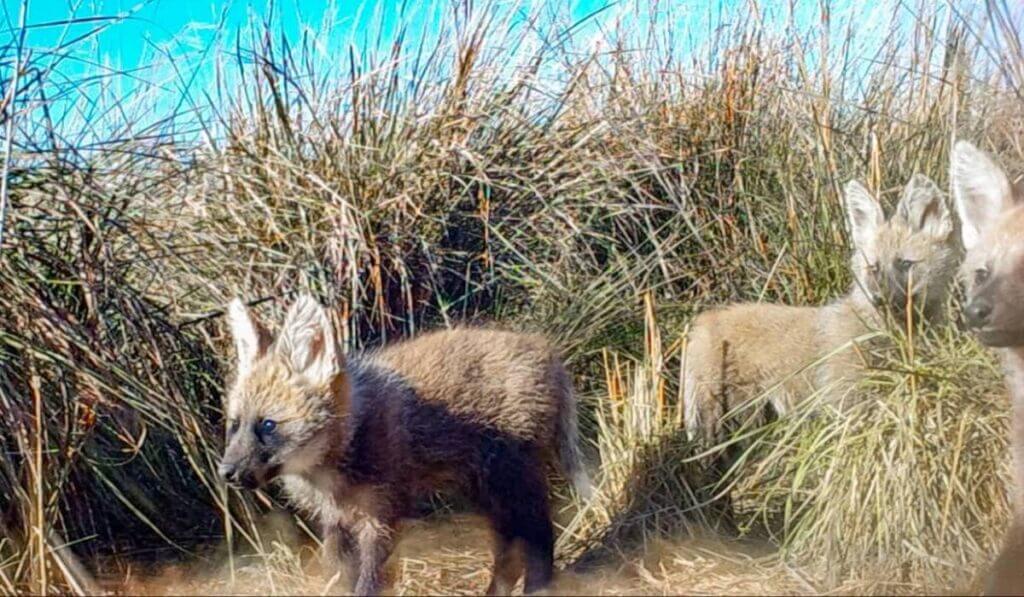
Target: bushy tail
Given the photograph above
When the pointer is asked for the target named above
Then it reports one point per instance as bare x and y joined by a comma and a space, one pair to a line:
567, 437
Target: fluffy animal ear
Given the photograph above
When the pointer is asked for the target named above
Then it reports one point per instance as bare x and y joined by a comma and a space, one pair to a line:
981, 189
307, 341
251, 338
923, 207
863, 214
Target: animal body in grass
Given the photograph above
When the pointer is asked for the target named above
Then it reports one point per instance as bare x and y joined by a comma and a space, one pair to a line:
787, 353
355, 441
992, 216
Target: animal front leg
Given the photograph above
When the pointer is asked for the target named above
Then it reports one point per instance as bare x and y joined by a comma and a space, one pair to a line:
339, 552
374, 541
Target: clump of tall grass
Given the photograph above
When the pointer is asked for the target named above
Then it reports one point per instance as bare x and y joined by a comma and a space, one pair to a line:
453, 198
645, 485
906, 491
107, 410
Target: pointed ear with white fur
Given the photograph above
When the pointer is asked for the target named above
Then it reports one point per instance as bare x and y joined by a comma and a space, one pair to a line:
863, 214
981, 189
251, 338
923, 207
307, 342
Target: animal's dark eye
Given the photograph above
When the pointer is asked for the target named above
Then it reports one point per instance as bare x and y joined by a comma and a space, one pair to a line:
267, 426
904, 265
980, 275
873, 268
233, 426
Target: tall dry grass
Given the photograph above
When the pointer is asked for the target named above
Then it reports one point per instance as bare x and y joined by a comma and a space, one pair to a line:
503, 168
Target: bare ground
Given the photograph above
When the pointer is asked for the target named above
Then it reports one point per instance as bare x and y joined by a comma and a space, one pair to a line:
451, 556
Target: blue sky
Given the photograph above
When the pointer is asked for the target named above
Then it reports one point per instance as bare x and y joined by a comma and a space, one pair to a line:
138, 30
169, 48
144, 25
142, 36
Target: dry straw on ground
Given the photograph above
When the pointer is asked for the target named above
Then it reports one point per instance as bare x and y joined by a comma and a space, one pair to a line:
505, 168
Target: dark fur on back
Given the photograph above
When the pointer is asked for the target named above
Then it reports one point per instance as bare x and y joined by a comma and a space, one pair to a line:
402, 447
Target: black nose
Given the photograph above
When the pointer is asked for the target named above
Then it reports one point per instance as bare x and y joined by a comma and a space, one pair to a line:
228, 472
238, 476
978, 313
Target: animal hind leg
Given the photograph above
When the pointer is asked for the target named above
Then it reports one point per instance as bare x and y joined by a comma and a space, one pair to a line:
539, 547
508, 566
515, 492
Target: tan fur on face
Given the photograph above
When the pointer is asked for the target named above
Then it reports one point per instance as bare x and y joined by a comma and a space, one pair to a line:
1000, 254
739, 352
935, 263
1002, 248
273, 391
301, 410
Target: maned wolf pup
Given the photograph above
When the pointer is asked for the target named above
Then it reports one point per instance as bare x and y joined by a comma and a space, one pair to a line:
738, 352
354, 441
992, 216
